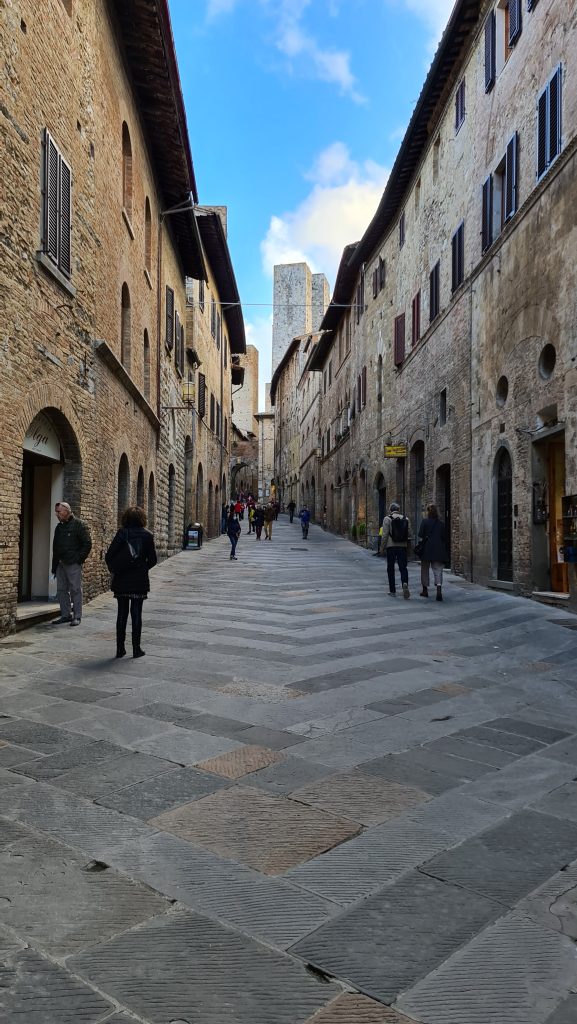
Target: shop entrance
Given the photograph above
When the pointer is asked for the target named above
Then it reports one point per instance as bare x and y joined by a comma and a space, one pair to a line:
550, 568
443, 497
50, 468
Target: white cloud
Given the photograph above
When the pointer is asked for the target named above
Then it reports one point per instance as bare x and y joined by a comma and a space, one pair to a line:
337, 210
304, 52
215, 8
435, 14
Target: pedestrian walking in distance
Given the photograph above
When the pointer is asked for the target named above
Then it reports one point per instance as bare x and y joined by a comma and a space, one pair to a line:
291, 510
70, 549
258, 521
233, 529
269, 517
129, 557
432, 550
305, 518
395, 542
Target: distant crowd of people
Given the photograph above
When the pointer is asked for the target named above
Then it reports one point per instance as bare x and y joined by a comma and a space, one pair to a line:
259, 515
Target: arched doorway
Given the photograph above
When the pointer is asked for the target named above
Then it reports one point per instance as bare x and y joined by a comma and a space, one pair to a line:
51, 472
199, 490
123, 489
417, 483
140, 488
380, 497
210, 511
443, 501
187, 482
504, 502
171, 505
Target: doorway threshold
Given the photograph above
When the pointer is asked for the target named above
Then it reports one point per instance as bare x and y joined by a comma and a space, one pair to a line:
551, 597
29, 613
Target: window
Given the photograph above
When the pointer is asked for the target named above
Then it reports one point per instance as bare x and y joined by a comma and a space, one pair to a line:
359, 392
363, 387
179, 346
434, 291
201, 395
490, 51
458, 257
57, 207
460, 104
348, 333
212, 412
402, 230
125, 328
416, 318
328, 440
330, 372
487, 214
146, 366
340, 344
499, 196
375, 279
531, 5
201, 296
418, 196
147, 236
126, 171
443, 407
382, 273
549, 123
399, 340
169, 339
213, 318
218, 423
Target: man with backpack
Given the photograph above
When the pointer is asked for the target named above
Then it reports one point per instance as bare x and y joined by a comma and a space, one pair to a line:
395, 543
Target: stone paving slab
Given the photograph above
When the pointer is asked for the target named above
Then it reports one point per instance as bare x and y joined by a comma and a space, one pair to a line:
155, 795
514, 972
335, 723
11, 832
562, 802
365, 799
449, 764
164, 712
106, 777
86, 752
218, 725
469, 751
186, 967
521, 783
397, 936
285, 776
11, 755
241, 761
509, 860
565, 751
554, 904
35, 991
9, 778
119, 727
502, 740
566, 1012
519, 726
274, 739
404, 769
268, 833
184, 746
355, 1009
42, 738
52, 901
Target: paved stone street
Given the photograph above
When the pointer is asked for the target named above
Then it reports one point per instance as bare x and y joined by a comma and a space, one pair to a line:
311, 803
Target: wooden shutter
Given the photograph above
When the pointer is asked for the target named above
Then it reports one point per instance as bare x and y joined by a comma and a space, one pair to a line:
434, 292
399, 347
375, 283
364, 387
382, 273
511, 177
51, 159
514, 21
487, 215
176, 336
201, 395
416, 318
458, 257
531, 5
554, 139
169, 340
65, 237
542, 161
490, 51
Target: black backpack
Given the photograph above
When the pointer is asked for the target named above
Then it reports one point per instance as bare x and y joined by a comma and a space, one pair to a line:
399, 529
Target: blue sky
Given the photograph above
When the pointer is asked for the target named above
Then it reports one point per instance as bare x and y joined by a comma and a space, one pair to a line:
296, 110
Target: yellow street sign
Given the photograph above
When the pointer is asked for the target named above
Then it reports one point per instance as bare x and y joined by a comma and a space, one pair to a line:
395, 451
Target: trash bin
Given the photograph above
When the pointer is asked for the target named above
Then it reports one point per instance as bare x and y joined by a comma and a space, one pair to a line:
193, 537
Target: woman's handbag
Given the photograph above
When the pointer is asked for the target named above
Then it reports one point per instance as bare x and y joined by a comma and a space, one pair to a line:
127, 556
419, 548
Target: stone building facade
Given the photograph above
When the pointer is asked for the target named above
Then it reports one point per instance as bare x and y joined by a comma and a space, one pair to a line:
215, 333
267, 485
285, 399
245, 404
98, 236
300, 299
458, 343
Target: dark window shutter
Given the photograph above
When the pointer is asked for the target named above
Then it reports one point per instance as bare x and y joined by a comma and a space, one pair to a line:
169, 318
434, 291
364, 387
399, 352
416, 319
359, 392
511, 164
382, 273
201, 395
65, 259
490, 51
514, 21
555, 116
458, 258
176, 337
51, 189
542, 133
375, 283
531, 5
487, 216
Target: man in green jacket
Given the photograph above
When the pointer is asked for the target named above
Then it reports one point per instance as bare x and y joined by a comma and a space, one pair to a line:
70, 549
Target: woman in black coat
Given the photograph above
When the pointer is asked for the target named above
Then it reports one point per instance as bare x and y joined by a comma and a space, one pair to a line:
129, 557
433, 551
233, 529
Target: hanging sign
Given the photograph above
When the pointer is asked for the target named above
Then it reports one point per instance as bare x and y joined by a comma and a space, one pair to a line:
395, 451
42, 439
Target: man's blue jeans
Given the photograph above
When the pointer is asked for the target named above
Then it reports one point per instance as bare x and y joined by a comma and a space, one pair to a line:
233, 538
396, 555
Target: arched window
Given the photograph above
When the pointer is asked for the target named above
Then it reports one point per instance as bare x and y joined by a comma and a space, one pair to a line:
147, 236
125, 328
126, 171
146, 366
171, 504
123, 485
151, 502
140, 488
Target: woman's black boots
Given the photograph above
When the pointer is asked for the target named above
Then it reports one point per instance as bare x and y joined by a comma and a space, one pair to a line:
120, 638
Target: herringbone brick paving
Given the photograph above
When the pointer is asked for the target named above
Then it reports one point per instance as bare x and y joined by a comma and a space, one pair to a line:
302, 773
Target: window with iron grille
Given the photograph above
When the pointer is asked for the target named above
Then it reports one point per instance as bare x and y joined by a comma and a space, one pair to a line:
169, 338
434, 291
458, 257
201, 395
57, 207
549, 135
460, 104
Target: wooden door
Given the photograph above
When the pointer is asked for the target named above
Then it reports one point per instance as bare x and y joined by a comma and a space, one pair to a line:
556, 465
